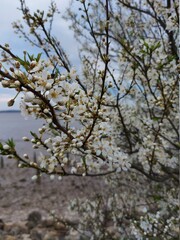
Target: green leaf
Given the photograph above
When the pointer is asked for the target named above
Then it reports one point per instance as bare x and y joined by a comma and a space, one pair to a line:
1, 146
54, 131
23, 63
156, 118
154, 47
34, 134
31, 57
146, 45
38, 57
157, 197
11, 143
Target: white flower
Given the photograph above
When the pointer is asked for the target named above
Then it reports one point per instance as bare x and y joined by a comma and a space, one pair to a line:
54, 95
79, 144
52, 164
42, 160
72, 74
73, 170
65, 160
43, 83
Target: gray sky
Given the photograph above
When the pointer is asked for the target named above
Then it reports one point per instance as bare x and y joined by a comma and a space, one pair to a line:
9, 13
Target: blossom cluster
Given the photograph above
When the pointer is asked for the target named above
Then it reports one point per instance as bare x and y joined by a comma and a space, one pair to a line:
76, 122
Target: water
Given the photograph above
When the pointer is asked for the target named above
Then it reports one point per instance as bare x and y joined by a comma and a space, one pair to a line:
13, 125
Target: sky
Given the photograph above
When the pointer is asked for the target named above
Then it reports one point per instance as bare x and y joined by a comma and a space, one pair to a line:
9, 13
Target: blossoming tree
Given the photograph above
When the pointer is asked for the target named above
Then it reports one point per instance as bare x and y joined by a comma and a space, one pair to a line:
118, 117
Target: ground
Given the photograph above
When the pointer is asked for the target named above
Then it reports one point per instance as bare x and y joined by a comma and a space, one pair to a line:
20, 195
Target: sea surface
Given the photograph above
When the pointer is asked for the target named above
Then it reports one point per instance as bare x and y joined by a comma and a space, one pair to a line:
13, 125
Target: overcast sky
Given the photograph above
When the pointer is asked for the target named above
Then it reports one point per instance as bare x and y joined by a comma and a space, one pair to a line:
8, 14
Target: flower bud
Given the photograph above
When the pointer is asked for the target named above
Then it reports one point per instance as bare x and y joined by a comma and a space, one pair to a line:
62, 78
10, 103
46, 110
5, 83
48, 86
11, 69
52, 177
60, 178
33, 64
79, 144
25, 139
49, 120
28, 96
18, 73
6, 147
17, 64
34, 177
17, 83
